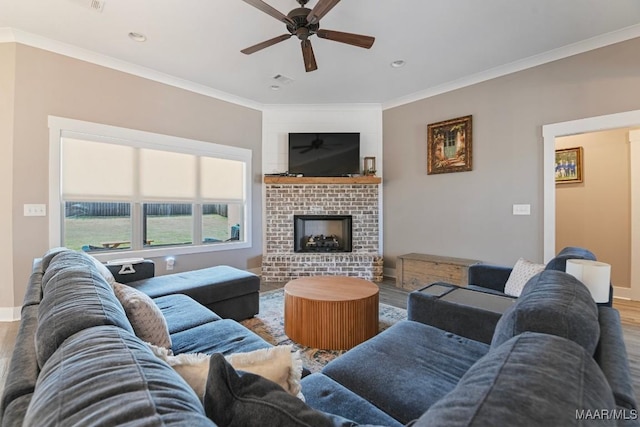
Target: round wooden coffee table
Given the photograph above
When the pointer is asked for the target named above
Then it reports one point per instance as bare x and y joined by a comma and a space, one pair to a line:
330, 312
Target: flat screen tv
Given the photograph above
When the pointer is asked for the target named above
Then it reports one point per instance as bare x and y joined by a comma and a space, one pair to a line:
324, 154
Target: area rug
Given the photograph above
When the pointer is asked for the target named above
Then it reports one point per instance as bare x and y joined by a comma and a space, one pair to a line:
269, 324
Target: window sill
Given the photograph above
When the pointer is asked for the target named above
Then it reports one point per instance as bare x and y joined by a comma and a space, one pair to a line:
169, 251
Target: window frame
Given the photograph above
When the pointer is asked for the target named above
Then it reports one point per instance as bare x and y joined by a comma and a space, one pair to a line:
60, 127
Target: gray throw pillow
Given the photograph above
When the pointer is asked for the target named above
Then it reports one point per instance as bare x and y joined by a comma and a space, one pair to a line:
237, 398
552, 302
531, 380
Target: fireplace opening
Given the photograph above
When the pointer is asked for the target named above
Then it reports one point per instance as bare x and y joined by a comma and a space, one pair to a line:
322, 233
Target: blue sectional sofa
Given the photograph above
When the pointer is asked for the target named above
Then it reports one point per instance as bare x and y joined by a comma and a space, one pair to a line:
555, 358
78, 362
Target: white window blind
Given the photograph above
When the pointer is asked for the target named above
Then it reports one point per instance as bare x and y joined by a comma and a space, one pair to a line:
222, 179
167, 175
95, 171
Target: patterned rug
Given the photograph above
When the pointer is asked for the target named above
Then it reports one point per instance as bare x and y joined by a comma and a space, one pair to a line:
269, 324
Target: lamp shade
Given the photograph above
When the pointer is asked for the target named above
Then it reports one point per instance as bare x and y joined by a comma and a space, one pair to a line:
594, 274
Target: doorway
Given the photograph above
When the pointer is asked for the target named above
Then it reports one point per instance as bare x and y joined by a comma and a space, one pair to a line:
550, 132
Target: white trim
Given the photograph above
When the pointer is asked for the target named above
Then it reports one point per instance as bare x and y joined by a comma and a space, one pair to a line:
18, 36
60, 126
10, 314
550, 132
603, 40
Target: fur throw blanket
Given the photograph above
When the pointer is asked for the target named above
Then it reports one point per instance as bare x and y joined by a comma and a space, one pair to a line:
278, 364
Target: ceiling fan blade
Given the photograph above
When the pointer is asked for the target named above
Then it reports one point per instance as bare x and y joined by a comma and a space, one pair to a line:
307, 150
307, 55
348, 38
251, 49
259, 4
321, 8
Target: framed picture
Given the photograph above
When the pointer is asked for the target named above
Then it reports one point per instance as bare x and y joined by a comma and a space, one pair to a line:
569, 165
449, 146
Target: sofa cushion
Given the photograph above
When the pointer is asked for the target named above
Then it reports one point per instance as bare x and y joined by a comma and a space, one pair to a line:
229, 282
75, 297
241, 399
532, 379
222, 336
106, 376
554, 303
146, 318
522, 271
406, 368
182, 312
322, 393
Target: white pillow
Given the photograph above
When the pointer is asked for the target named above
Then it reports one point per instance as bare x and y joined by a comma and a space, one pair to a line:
278, 364
520, 275
146, 318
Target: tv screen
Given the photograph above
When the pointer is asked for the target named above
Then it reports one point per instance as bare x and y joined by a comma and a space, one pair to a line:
324, 154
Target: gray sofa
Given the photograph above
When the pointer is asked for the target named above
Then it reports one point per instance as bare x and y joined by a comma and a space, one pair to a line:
78, 362
554, 358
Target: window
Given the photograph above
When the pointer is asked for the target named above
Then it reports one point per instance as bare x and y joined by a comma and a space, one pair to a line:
115, 190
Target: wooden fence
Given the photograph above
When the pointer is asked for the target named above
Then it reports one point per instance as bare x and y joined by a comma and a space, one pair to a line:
75, 209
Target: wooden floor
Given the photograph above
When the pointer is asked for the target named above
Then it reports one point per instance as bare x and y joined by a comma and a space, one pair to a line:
389, 294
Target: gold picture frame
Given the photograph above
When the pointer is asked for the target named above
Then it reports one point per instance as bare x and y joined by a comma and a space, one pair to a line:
568, 167
449, 146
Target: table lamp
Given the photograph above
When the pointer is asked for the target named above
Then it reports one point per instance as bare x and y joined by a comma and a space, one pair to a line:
594, 274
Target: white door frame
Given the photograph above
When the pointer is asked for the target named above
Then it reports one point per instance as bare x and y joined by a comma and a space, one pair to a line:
592, 124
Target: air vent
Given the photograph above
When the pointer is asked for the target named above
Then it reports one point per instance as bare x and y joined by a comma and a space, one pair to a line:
96, 5
283, 80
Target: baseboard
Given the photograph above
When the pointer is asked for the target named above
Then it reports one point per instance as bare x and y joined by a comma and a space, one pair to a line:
389, 272
622, 293
10, 314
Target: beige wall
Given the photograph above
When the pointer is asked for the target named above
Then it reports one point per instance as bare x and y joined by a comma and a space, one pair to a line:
596, 213
51, 84
469, 214
7, 81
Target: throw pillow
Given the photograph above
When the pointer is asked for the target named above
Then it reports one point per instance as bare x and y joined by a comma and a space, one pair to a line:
146, 318
520, 275
241, 398
277, 364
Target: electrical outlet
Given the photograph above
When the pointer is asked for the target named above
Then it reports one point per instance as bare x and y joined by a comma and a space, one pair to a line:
35, 210
170, 263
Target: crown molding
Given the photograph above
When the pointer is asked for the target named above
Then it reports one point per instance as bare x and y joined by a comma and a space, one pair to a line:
624, 34
323, 107
8, 35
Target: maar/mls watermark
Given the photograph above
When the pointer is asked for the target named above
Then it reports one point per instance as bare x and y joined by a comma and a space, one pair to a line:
606, 414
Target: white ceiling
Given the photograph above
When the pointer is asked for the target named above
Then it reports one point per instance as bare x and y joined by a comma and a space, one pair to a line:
446, 43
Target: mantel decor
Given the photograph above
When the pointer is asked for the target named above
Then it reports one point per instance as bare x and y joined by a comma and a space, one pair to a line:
449, 146
569, 165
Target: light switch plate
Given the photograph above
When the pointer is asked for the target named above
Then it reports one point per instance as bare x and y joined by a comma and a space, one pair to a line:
35, 210
522, 209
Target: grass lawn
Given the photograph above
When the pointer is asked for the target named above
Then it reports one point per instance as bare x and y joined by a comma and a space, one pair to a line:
163, 230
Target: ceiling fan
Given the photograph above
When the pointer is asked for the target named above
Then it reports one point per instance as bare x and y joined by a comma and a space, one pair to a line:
303, 22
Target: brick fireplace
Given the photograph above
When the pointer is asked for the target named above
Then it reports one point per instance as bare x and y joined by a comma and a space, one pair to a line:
288, 197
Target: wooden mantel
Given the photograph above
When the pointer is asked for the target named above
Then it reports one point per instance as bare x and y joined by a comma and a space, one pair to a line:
270, 179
